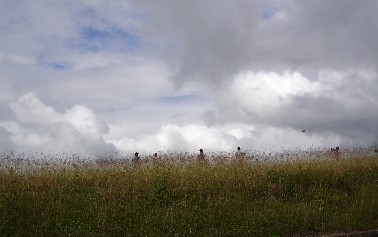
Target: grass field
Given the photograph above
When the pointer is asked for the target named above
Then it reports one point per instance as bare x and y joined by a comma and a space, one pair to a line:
291, 193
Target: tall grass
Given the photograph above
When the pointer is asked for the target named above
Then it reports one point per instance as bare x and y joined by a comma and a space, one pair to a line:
292, 193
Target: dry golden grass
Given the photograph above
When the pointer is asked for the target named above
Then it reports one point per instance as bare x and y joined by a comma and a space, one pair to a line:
264, 194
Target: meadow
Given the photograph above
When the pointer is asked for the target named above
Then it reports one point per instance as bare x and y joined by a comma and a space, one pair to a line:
287, 193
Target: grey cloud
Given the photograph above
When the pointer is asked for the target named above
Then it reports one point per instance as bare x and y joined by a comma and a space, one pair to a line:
6, 143
197, 44
213, 38
217, 40
210, 117
348, 107
330, 34
344, 104
321, 115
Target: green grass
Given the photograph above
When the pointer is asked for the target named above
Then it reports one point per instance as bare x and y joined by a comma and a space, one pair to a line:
179, 197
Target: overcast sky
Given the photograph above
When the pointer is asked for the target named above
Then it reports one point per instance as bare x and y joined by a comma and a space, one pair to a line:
91, 76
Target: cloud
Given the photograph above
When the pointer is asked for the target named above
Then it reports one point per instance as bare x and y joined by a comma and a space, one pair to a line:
338, 103
263, 94
168, 74
211, 44
172, 137
6, 143
77, 130
267, 110
226, 137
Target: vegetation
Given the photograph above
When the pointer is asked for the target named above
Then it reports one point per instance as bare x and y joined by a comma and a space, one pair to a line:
298, 193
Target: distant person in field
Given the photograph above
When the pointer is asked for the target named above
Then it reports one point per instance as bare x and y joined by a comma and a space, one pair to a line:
155, 158
336, 152
239, 154
201, 157
136, 159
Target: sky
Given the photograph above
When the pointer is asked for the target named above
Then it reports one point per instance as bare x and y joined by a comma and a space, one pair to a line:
94, 77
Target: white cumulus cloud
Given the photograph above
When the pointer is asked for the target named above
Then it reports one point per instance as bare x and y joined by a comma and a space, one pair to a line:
77, 130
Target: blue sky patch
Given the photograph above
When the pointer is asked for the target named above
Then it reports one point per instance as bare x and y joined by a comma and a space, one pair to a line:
95, 39
180, 98
269, 13
49, 63
102, 33
58, 65
94, 34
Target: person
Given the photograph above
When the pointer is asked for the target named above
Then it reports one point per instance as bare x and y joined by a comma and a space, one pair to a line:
201, 156
239, 154
336, 152
155, 158
136, 159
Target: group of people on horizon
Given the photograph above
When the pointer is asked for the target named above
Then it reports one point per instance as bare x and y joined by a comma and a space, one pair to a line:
137, 160
239, 155
200, 157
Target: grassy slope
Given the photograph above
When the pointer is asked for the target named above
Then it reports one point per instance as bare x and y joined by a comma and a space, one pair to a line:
233, 199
